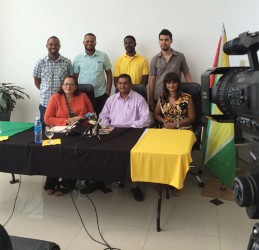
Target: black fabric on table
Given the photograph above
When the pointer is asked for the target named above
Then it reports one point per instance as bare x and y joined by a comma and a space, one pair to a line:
77, 157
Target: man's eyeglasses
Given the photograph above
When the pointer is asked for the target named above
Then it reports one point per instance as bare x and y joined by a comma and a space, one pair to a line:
68, 84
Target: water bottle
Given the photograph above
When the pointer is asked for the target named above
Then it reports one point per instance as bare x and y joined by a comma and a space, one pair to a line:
37, 131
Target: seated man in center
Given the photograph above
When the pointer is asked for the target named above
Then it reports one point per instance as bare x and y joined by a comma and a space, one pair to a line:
126, 109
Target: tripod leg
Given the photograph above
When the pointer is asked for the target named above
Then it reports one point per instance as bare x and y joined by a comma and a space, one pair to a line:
158, 228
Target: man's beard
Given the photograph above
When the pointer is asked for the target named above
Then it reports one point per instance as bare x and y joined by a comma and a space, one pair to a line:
90, 49
166, 48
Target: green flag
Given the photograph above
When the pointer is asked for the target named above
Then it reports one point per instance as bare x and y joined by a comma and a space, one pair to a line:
219, 154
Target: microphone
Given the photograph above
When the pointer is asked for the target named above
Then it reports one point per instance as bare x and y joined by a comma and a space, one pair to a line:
91, 123
73, 124
69, 129
93, 127
88, 116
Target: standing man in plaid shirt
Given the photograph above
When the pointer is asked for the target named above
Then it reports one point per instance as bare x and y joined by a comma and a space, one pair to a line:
49, 73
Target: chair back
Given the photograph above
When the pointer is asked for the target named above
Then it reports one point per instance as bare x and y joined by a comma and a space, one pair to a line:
141, 89
194, 89
88, 89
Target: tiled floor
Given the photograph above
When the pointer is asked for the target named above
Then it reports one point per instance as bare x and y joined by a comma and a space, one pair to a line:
188, 221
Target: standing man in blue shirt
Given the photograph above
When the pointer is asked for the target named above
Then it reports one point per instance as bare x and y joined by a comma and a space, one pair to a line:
49, 73
91, 67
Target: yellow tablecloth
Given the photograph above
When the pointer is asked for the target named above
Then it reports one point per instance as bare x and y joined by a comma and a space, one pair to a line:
162, 156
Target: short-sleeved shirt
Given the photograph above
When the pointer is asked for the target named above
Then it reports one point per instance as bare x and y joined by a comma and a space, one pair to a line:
159, 68
136, 67
52, 75
91, 70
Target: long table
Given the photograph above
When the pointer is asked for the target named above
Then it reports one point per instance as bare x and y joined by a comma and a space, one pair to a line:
76, 157
163, 156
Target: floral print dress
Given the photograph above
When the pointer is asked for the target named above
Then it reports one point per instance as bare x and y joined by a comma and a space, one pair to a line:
177, 112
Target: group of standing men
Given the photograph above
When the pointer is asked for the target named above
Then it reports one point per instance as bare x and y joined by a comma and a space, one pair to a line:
94, 67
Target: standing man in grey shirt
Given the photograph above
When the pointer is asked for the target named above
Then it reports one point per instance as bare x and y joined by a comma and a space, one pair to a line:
168, 60
49, 73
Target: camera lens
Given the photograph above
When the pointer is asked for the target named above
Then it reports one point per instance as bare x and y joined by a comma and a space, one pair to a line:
255, 246
234, 47
243, 192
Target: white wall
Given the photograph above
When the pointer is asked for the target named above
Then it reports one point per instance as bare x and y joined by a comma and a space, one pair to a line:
196, 25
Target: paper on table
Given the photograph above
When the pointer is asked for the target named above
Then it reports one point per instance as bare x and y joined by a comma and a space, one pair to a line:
104, 130
4, 138
63, 129
53, 142
60, 129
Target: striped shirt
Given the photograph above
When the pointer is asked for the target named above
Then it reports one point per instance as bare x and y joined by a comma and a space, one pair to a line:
51, 75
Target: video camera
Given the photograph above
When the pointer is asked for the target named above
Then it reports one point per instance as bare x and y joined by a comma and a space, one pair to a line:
237, 90
237, 97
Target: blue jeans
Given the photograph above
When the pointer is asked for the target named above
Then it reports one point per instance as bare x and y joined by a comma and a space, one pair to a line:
42, 113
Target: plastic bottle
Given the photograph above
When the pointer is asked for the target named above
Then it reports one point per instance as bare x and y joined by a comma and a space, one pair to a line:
37, 131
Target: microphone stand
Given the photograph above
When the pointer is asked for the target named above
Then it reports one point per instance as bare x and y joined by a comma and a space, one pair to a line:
89, 128
96, 130
93, 128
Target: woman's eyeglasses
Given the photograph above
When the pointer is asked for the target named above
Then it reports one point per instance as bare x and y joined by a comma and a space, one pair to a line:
68, 84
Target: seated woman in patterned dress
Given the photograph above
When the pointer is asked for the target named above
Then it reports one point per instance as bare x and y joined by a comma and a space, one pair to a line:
174, 109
